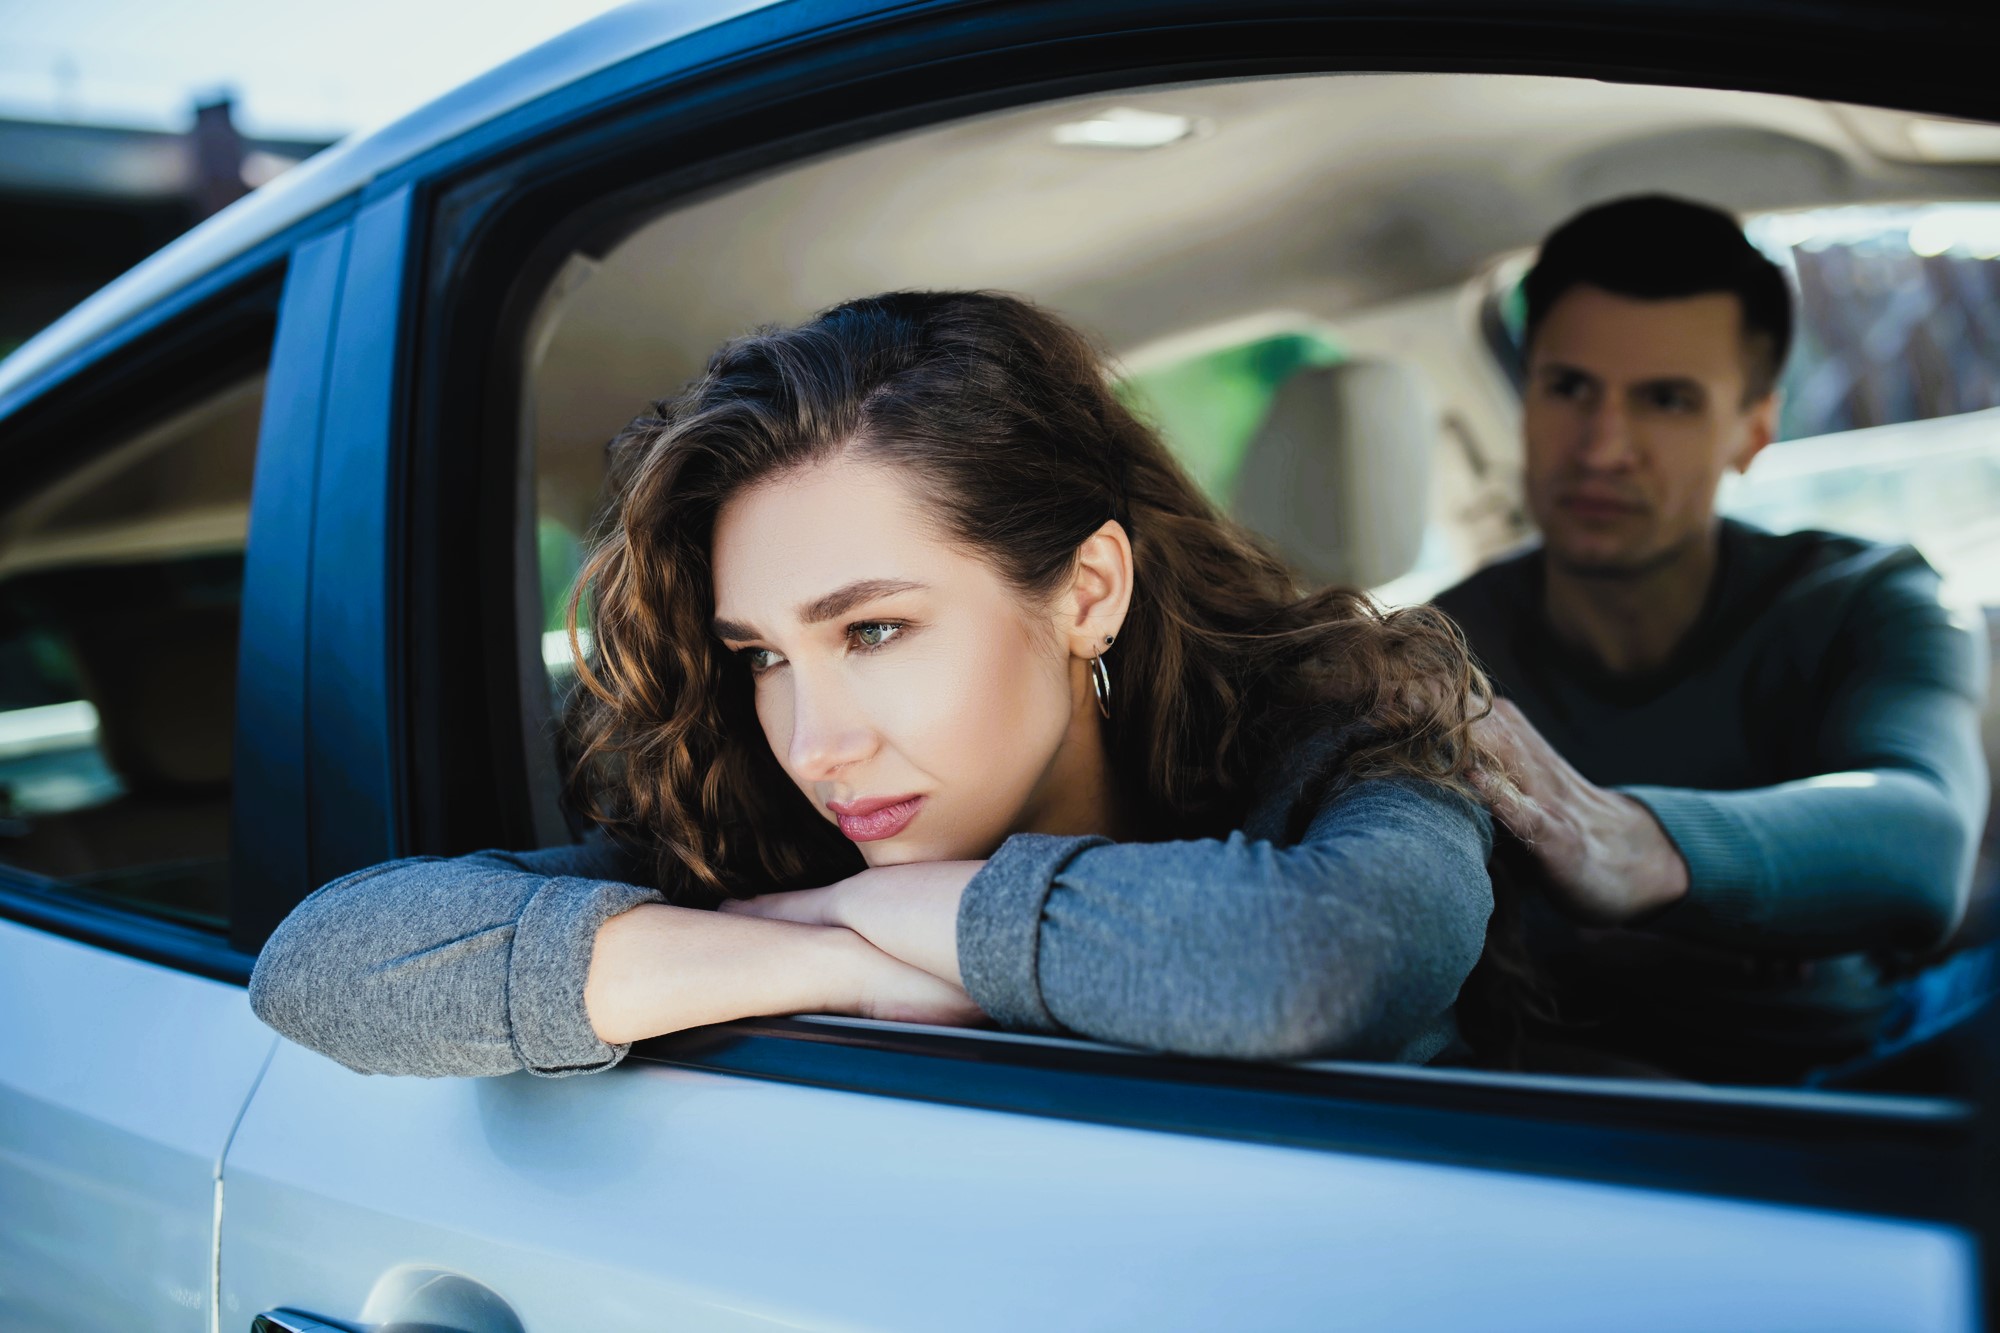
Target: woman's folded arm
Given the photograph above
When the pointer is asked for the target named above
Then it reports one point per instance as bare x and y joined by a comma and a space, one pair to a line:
1353, 941
549, 962
469, 965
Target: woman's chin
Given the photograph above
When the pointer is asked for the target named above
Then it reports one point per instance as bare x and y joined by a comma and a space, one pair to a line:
890, 852
905, 851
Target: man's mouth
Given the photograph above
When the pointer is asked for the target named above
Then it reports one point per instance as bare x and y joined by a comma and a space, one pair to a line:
873, 818
1600, 507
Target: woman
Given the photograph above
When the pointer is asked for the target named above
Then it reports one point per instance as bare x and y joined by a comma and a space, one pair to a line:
916, 654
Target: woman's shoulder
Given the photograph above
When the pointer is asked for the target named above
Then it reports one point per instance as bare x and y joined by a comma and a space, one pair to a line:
1307, 776
596, 856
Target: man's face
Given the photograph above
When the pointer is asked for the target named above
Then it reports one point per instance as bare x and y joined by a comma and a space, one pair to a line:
1633, 411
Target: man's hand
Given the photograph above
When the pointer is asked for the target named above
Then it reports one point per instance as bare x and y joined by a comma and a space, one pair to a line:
909, 912
1607, 859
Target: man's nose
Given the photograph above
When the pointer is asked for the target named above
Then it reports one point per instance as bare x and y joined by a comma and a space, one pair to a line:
1607, 437
830, 731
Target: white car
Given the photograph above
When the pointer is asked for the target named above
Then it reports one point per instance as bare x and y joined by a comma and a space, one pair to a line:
286, 509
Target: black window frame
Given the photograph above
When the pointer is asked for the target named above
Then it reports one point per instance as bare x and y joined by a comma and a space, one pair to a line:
501, 208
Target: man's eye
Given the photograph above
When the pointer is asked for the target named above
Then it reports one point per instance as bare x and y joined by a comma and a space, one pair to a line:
1567, 387
1672, 398
872, 634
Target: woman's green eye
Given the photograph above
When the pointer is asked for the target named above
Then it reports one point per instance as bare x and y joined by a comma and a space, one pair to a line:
875, 633
760, 659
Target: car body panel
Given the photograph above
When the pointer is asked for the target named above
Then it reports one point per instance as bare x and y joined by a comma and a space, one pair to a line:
120, 1082
653, 1197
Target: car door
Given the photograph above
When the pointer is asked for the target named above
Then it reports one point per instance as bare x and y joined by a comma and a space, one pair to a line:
822, 1172
130, 840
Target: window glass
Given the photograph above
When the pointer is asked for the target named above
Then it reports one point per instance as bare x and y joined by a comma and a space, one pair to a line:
120, 585
1899, 313
1891, 413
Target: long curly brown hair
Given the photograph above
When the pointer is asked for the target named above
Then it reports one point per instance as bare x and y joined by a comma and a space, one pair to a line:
1001, 416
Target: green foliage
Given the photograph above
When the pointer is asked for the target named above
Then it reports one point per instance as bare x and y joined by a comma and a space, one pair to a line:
559, 554
1208, 407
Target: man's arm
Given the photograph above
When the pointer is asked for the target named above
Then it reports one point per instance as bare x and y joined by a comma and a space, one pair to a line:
1874, 852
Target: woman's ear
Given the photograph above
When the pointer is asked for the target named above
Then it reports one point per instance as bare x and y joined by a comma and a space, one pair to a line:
1100, 591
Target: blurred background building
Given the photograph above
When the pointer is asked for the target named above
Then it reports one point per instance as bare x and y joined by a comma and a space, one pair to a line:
124, 123
80, 204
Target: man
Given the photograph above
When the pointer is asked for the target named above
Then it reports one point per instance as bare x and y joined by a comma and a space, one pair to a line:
1746, 767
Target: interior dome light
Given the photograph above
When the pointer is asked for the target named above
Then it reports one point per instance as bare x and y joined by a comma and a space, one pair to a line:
1127, 127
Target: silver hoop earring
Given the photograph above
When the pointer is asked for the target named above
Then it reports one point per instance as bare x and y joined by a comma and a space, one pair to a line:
1100, 680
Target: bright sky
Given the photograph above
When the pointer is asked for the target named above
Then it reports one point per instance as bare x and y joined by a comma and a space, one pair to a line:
297, 70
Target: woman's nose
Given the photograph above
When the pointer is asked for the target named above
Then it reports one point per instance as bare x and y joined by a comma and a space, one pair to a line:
829, 731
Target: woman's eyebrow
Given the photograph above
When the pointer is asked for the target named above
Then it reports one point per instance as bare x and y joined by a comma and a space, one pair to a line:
822, 609
844, 599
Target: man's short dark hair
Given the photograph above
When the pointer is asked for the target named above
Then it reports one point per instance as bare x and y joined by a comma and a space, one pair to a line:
1654, 247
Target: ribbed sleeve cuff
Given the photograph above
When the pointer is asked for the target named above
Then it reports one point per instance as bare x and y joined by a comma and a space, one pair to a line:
547, 967
1000, 924
1725, 864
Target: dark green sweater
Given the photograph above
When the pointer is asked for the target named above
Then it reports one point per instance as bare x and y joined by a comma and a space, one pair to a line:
1812, 749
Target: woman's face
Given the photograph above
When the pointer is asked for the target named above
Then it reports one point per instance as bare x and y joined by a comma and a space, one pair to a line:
916, 699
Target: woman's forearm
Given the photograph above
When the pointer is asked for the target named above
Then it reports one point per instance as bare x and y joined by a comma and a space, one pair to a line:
909, 912
497, 962
659, 969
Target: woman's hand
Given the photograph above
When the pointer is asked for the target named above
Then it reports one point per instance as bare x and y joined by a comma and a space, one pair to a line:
909, 912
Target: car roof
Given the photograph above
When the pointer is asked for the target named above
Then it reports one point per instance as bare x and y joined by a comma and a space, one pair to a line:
351, 164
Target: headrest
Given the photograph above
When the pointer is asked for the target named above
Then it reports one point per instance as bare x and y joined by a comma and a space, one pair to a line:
1338, 477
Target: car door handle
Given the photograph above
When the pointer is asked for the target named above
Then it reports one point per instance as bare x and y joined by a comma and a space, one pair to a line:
291, 1321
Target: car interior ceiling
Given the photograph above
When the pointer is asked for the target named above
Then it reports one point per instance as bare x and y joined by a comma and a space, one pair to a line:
1336, 199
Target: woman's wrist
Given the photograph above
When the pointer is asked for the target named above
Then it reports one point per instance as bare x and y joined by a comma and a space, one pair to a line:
869, 983
842, 968
659, 969
909, 912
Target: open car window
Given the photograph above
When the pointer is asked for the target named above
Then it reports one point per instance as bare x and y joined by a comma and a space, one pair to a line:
1265, 265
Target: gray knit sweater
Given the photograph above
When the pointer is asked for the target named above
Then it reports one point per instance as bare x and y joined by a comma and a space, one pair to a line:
1815, 654
1341, 930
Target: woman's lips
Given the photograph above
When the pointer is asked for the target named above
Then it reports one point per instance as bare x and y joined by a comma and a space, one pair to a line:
874, 820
